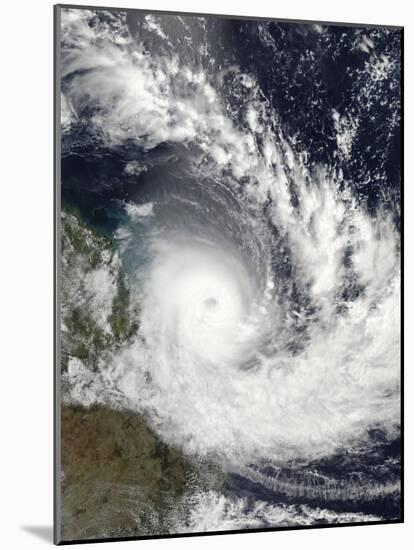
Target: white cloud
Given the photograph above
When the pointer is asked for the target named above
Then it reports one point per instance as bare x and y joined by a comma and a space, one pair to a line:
303, 405
135, 212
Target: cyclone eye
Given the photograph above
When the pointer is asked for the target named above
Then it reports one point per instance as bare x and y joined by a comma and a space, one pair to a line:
211, 303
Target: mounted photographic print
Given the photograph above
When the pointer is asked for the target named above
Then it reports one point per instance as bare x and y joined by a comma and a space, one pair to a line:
228, 269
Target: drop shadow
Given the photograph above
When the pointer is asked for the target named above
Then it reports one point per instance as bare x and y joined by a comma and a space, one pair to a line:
43, 532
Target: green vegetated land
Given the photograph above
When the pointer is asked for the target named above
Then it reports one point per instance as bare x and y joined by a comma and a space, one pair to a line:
118, 478
84, 253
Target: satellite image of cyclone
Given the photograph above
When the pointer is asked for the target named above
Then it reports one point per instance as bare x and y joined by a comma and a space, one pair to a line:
229, 274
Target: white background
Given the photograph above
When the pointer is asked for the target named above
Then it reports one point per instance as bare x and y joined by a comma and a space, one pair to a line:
26, 190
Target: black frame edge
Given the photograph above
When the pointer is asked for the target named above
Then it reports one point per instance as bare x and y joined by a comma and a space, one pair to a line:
231, 16
56, 285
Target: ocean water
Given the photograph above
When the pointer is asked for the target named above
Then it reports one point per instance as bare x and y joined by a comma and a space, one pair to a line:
247, 175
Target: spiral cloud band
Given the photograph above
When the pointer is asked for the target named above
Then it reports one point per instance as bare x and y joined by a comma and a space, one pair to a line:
264, 285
